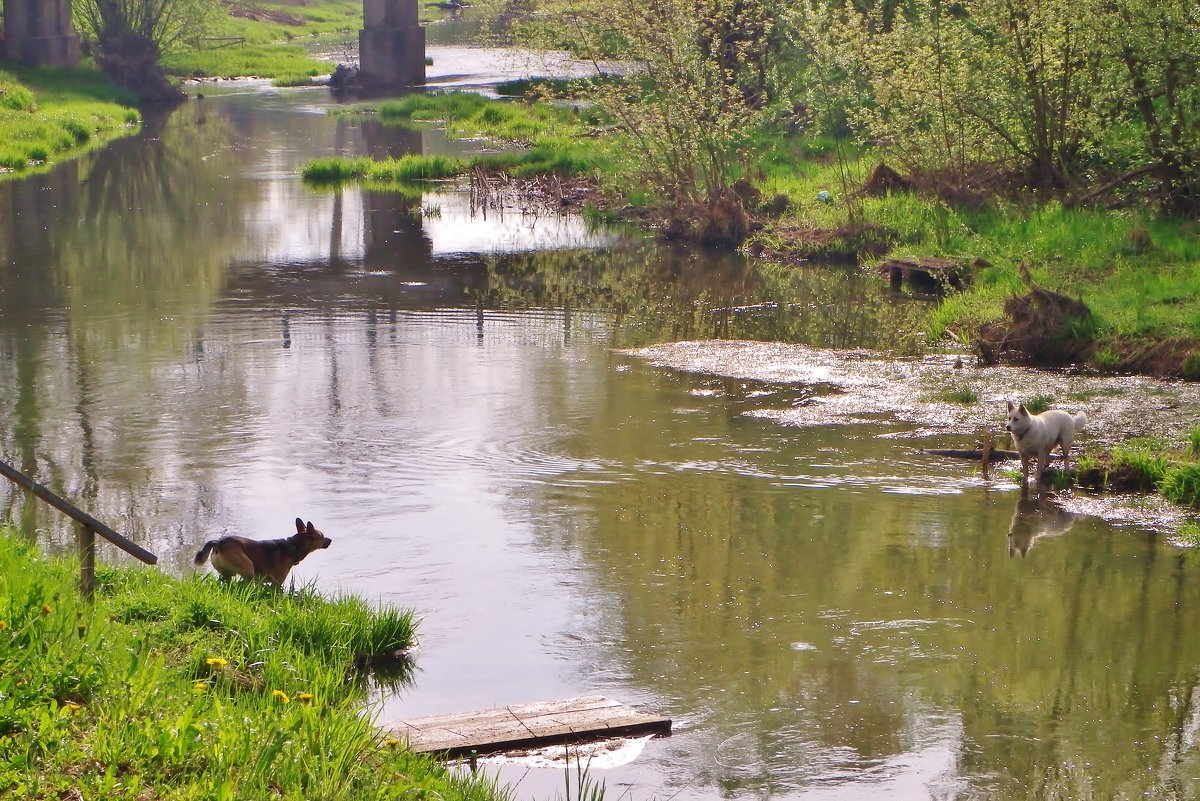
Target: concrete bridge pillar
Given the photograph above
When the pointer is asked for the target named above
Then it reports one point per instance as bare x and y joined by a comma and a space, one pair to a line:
39, 33
391, 46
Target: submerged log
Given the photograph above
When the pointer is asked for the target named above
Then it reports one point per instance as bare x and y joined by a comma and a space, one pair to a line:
994, 455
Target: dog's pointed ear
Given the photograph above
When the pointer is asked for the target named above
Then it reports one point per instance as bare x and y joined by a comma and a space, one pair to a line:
300, 526
1022, 409
311, 528
1010, 407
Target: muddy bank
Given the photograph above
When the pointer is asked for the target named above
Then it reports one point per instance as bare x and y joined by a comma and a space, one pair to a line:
1046, 329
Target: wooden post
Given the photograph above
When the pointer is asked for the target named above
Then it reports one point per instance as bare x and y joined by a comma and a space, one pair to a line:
987, 452
87, 560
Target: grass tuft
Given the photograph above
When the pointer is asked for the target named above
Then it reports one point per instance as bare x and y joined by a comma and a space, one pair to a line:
1143, 462
1181, 484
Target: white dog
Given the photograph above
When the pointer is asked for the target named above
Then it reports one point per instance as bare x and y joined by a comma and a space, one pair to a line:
1038, 434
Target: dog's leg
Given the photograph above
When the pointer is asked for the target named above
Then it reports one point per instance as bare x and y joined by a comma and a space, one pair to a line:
233, 561
1043, 462
278, 577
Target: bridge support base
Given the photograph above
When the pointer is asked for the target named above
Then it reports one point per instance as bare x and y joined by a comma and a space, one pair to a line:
391, 46
39, 33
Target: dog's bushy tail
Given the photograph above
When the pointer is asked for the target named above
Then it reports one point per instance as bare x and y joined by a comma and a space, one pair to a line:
1080, 420
202, 554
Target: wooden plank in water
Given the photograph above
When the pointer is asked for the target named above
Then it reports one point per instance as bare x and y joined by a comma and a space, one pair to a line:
504, 728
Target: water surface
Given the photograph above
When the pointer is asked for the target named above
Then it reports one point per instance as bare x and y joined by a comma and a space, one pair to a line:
485, 412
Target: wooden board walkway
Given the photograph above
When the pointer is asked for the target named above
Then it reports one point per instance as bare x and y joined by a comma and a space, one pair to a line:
531, 725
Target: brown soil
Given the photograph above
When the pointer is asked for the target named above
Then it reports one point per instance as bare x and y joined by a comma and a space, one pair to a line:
1046, 329
884, 179
1040, 327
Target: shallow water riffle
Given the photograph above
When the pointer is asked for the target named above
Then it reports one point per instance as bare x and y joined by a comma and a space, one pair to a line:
800, 386
846, 386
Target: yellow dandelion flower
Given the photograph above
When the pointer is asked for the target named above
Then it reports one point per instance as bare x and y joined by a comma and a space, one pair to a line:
391, 742
281, 695
71, 707
216, 661
304, 698
199, 687
46, 609
3, 625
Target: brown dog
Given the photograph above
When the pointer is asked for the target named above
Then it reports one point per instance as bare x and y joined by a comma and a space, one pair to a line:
270, 560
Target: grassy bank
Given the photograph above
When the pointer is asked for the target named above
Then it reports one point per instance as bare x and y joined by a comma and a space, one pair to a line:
814, 197
49, 114
276, 40
265, 40
1147, 465
1133, 268
192, 689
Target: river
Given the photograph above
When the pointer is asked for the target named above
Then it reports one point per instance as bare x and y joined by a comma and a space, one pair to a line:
591, 464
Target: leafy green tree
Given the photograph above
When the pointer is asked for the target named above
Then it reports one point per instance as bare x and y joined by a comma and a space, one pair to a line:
982, 88
1155, 45
702, 80
128, 36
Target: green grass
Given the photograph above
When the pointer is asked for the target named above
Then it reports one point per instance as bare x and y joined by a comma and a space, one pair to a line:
1181, 484
1189, 533
273, 46
1039, 403
187, 689
406, 168
269, 47
470, 115
1134, 269
51, 113
563, 88
248, 61
1143, 461
958, 395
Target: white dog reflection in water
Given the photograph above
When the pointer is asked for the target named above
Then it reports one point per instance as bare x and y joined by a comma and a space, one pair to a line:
1036, 517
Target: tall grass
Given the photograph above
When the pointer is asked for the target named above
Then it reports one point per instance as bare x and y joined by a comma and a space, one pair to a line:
406, 168
167, 688
1144, 462
1181, 484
